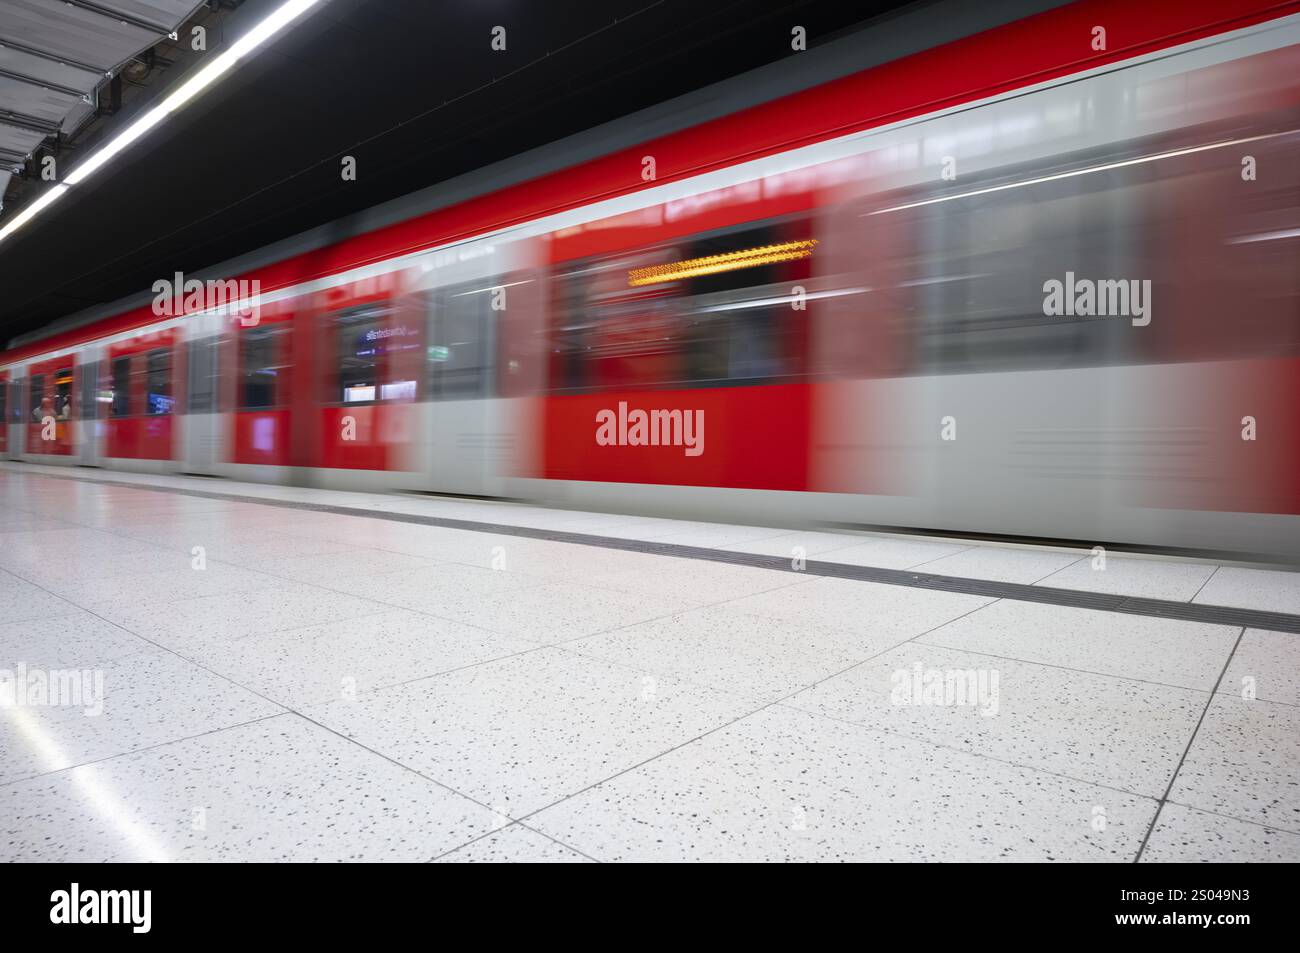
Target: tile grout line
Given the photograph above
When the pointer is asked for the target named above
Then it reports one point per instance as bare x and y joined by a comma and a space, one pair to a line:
1055, 571
1160, 805
135, 751
1204, 584
1065, 668
1233, 817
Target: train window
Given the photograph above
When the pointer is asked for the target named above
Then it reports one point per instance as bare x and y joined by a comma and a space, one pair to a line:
120, 396
16, 401
976, 288
1225, 257
158, 382
260, 366
63, 393
4, 406
377, 355
712, 310
39, 404
459, 343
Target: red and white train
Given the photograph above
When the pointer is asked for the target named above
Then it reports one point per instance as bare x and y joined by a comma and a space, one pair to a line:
835, 306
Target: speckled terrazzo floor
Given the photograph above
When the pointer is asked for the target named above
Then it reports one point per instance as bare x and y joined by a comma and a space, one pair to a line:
331, 687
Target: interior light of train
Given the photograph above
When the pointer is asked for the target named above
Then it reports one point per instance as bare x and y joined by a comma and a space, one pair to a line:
259, 34
713, 264
1106, 167
783, 299
479, 291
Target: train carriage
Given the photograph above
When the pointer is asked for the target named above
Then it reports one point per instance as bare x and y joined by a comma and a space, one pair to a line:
842, 299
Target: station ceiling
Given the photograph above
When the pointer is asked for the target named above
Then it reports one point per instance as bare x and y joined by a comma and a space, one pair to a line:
411, 88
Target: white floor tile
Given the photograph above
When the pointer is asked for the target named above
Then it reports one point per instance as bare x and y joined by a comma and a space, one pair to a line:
75, 640
997, 564
1245, 763
237, 615
169, 585
1185, 835
690, 582
812, 545
866, 607
515, 844
148, 698
316, 664
349, 564
521, 733
751, 655
884, 553
1266, 666
428, 590
1130, 576
785, 785
1169, 651
1264, 589
1100, 729
281, 789
554, 612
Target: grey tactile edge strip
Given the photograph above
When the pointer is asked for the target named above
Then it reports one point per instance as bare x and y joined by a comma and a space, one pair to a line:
1129, 605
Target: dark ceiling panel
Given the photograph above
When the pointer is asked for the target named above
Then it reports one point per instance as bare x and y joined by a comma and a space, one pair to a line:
412, 89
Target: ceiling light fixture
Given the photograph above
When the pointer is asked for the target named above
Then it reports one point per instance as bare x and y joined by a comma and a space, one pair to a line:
259, 34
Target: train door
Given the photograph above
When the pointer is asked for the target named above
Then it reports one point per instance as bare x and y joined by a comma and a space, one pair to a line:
466, 427
141, 400
50, 409
4, 414
481, 306
201, 434
259, 392
86, 386
369, 351
11, 422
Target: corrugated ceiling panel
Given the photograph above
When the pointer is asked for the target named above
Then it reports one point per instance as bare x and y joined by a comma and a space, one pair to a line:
167, 14
16, 141
71, 33
41, 70
38, 102
40, 39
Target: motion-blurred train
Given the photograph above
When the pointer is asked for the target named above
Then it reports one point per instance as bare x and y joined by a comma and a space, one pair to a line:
1040, 281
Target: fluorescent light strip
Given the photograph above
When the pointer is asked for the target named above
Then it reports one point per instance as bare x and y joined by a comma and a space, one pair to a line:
1077, 172
26, 215
1267, 237
783, 299
259, 34
713, 264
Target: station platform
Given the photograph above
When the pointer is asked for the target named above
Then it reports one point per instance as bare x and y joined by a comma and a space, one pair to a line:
247, 672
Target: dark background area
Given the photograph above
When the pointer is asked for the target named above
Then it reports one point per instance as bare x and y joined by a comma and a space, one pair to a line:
411, 88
